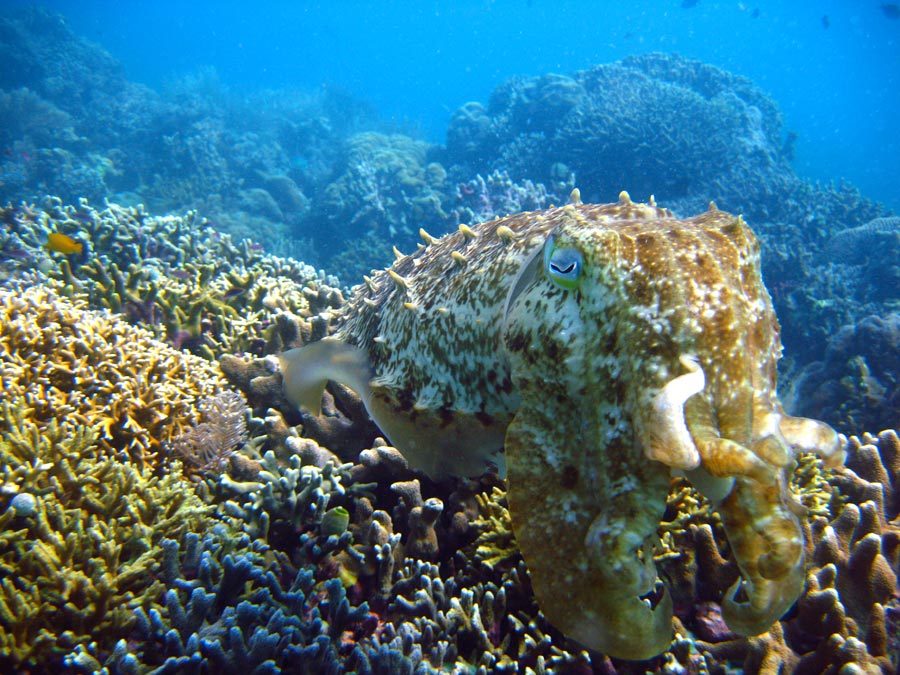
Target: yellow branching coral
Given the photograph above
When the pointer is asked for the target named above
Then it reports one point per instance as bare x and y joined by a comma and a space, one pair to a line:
90, 368
80, 556
495, 543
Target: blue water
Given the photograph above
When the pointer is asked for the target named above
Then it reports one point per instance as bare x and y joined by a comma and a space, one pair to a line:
417, 61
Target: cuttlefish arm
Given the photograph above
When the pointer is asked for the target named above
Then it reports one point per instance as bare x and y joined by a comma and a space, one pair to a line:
597, 583
749, 486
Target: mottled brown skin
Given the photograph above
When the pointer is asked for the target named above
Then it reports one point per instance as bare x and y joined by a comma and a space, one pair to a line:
660, 356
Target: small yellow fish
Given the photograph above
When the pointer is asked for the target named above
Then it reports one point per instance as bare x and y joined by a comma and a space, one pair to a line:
63, 243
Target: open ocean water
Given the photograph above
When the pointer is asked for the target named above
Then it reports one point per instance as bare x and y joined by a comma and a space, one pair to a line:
832, 66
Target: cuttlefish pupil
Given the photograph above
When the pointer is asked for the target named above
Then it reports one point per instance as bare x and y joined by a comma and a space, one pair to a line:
662, 361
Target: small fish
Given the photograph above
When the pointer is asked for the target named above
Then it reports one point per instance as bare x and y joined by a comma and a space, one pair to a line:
181, 274
687, 4
891, 10
755, 13
826, 22
63, 243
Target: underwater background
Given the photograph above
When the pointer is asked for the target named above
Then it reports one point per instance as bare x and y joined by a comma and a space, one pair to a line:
189, 189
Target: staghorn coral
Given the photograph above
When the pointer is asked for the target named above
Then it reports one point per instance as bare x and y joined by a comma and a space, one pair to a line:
94, 369
174, 275
495, 543
294, 496
483, 339
75, 566
226, 610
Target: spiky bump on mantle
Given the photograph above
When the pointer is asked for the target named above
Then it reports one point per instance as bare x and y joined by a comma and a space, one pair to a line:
656, 352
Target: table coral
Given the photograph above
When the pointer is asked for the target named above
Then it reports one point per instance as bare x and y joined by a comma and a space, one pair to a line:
94, 369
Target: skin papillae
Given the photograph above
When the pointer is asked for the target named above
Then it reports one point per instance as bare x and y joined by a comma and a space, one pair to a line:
601, 348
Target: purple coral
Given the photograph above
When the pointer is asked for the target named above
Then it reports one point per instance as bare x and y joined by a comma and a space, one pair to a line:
209, 445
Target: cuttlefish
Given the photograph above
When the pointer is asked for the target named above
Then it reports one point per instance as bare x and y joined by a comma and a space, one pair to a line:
594, 350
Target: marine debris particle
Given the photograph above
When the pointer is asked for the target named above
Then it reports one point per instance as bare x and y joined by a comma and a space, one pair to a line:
602, 346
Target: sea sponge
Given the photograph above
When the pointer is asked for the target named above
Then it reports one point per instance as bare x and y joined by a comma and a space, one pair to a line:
94, 369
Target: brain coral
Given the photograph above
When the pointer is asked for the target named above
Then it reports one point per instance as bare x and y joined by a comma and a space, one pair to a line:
94, 369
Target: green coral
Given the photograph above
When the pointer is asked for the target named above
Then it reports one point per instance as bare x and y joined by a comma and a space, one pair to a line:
75, 568
184, 282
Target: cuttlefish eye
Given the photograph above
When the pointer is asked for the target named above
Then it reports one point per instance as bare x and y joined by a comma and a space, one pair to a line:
563, 265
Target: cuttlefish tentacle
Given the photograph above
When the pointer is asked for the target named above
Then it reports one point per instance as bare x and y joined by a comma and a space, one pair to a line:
807, 435
758, 512
763, 531
767, 542
667, 438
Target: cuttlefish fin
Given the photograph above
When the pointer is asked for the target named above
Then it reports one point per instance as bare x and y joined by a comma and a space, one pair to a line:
528, 273
464, 445
306, 370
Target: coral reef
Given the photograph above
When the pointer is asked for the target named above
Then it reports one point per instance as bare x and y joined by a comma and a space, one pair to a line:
482, 199
857, 384
149, 522
652, 124
385, 191
173, 275
78, 128
211, 444
80, 559
68, 362
346, 558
